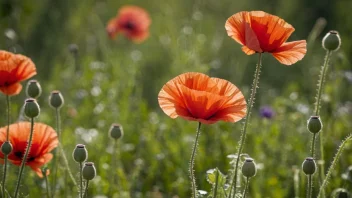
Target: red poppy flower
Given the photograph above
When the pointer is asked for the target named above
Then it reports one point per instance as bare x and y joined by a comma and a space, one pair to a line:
44, 140
132, 21
260, 32
14, 68
196, 96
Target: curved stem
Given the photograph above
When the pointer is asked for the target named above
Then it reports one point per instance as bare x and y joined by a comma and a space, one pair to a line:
81, 180
317, 110
332, 167
309, 190
24, 160
191, 164
245, 188
56, 156
62, 153
244, 129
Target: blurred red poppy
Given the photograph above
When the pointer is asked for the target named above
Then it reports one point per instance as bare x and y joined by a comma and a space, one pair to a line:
44, 140
14, 68
196, 96
132, 21
261, 32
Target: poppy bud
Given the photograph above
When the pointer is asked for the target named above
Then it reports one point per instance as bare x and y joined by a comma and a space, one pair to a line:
89, 171
249, 168
56, 100
6, 148
31, 108
45, 171
80, 153
116, 131
33, 90
332, 41
73, 48
309, 166
340, 193
314, 124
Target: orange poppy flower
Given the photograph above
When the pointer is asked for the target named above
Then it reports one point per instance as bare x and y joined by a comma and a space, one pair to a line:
132, 21
261, 32
196, 96
44, 140
14, 68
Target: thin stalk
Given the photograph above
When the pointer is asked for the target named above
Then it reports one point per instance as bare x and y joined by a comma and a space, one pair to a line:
57, 154
48, 194
62, 152
216, 183
312, 148
24, 160
191, 164
114, 165
86, 189
309, 190
332, 167
245, 188
244, 129
7, 139
81, 179
317, 110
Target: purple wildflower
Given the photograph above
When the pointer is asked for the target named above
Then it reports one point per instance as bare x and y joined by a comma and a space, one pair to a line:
266, 112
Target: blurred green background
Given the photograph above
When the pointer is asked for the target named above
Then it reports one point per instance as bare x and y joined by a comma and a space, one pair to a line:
117, 81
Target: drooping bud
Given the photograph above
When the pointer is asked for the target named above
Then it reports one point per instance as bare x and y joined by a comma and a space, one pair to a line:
332, 41
340, 193
6, 148
116, 131
89, 171
33, 90
314, 124
80, 153
249, 168
309, 166
56, 100
31, 108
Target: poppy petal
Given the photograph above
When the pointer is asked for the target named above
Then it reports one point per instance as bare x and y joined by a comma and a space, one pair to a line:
252, 41
111, 28
11, 90
291, 52
235, 27
271, 30
248, 51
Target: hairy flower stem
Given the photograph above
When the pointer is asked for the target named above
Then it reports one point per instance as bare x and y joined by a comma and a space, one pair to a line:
244, 129
245, 188
81, 180
309, 190
191, 164
86, 189
57, 154
62, 152
47, 186
7, 139
24, 160
216, 183
334, 162
321, 82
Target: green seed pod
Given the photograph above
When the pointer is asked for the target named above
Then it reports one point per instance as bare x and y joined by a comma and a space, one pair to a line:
340, 193
116, 131
31, 108
80, 153
89, 171
309, 166
33, 89
6, 148
332, 41
249, 168
314, 124
56, 100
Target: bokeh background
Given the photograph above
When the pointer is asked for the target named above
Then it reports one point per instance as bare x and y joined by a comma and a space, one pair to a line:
117, 81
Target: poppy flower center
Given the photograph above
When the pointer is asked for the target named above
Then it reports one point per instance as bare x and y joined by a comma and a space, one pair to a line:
19, 154
129, 25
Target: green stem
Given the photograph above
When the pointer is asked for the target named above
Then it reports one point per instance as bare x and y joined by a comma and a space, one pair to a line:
7, 139
114, 165
244, 129
245, 188
312, 148
56, 156
81, 179
309, 190
62, 153
191, 164
86, 189
47, 185
317, 111
24, 160
332, 167
216, 183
